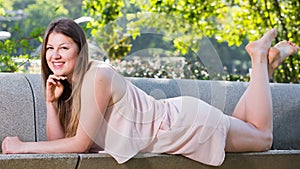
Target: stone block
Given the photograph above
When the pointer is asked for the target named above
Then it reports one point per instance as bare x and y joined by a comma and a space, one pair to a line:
225, 95
273, 159
36, 84
286, 116
38, 161
16, 107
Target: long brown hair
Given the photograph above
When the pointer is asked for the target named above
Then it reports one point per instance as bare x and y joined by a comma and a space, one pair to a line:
69, 103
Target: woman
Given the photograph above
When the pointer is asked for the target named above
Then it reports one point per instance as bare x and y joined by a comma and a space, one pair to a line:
90, 107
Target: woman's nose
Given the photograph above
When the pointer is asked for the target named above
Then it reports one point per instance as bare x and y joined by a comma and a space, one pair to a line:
55, 54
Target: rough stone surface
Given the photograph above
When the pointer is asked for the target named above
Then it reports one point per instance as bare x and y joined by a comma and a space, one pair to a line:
286, 106
39, 104
225, 95
273, 159
38, 161
16, 107
221, 94
23, 113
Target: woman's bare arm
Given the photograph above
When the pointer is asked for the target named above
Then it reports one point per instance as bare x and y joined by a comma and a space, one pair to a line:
54, 89
96, 83
54, 128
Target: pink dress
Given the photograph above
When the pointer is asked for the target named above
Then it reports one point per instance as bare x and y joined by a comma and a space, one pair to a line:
182, 125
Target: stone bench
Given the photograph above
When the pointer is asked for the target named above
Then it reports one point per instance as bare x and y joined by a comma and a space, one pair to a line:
23, 113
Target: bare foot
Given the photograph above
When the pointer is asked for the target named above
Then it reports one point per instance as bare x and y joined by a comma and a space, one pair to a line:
258, 50
280, 51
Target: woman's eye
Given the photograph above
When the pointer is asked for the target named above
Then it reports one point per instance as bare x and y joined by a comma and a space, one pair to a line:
47, 48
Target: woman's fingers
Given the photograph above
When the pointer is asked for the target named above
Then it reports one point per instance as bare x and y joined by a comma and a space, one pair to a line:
54, 87
54, 78
10, 145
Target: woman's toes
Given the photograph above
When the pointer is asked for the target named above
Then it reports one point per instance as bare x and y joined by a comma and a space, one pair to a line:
260, 47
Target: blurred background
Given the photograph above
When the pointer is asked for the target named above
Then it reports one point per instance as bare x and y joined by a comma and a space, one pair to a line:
190, 39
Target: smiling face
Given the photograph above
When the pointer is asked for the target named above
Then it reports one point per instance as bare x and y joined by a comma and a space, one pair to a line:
61, 54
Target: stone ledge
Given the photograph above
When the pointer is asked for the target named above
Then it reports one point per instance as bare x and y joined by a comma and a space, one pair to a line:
272, 159
16, 107
22, 102
38, 161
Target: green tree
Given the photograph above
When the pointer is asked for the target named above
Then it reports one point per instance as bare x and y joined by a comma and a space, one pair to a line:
26, 31
104, 29
231, 21
1, 8
46, 11
74, 8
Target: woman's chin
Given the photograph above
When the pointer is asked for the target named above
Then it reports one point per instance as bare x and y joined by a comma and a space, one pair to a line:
59, 74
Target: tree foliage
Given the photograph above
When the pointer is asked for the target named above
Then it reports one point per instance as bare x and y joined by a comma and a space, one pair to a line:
187, 21
26, 28
1, 8
104, 30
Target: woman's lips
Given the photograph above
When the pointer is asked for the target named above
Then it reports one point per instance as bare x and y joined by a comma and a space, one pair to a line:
58, 65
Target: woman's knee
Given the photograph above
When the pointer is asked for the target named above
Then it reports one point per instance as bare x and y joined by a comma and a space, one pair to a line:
246, 137
266, 140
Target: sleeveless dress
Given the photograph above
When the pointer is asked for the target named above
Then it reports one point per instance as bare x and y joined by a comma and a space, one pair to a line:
181, 125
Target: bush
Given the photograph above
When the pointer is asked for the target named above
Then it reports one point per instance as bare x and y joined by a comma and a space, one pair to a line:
168, 67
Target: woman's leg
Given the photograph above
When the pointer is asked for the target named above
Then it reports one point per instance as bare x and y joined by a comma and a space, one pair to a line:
279, 52
276, 55
252, 120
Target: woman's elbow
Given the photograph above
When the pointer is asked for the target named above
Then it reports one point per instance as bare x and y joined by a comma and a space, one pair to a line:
85, 149
82, 146
82, 149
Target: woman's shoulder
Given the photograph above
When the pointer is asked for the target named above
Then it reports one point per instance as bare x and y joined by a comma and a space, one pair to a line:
100, 64
105, 75
103, 71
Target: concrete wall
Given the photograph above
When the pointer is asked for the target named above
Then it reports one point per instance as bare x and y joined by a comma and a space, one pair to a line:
22, 112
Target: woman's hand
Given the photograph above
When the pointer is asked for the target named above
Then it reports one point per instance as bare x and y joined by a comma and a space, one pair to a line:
12, 145
54, 88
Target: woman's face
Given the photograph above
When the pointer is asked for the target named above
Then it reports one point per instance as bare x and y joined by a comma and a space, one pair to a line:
61, 54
